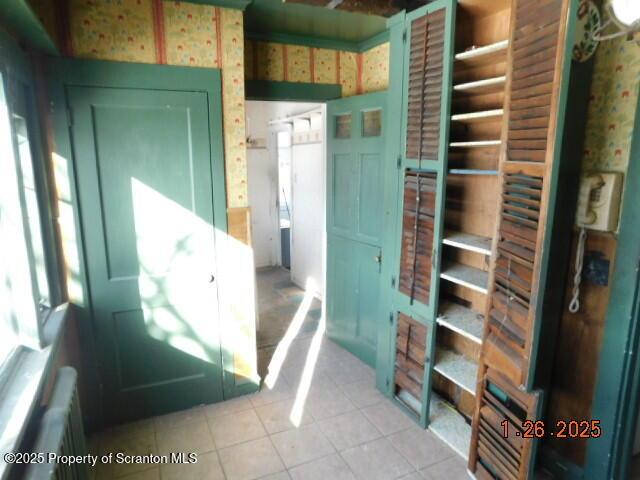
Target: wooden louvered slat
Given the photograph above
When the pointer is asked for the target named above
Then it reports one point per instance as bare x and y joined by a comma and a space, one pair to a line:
411, 339
417, 235
507, 457
536, 49
424, 94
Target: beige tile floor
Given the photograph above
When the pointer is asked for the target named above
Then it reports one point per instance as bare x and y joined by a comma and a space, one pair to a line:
318, 417
342, 428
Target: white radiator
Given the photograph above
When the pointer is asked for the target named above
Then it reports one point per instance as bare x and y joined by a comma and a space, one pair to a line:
61, 432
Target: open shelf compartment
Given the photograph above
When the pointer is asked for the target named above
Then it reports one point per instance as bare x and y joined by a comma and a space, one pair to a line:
461, 320
449, 425
467, 276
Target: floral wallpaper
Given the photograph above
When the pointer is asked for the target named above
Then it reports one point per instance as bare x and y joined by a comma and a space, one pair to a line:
298, 64
349, 73
113, 30
356, 72
191, 34
174, 33
375, 68
612, 105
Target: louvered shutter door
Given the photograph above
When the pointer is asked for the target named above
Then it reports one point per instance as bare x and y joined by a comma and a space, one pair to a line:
499, 456
536, 56
418, 218
424, 91
411, 347
532, 96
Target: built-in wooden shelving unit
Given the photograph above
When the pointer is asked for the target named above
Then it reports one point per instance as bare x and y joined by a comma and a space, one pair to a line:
472, 199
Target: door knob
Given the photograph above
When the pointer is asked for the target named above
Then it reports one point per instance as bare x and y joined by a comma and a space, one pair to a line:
212, 278
378, 258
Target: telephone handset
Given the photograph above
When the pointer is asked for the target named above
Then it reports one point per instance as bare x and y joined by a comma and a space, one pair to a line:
599, 201
598, 207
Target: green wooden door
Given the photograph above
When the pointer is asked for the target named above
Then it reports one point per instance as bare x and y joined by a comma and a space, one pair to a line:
146, 195
355, 146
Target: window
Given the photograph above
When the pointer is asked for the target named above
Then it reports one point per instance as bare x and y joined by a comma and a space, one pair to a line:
343, 126
25, 269
372, 123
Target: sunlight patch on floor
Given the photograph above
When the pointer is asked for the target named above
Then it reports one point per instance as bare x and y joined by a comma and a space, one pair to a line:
282, 349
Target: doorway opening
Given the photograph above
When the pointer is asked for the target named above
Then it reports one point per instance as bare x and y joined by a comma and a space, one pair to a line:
286, 162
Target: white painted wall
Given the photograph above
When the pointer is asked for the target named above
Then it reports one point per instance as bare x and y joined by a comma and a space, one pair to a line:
262, 175
308, 214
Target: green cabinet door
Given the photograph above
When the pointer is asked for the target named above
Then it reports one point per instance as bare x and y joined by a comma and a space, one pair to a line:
143, 160
355, 146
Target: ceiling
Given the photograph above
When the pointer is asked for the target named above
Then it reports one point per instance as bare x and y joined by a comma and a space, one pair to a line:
275, 16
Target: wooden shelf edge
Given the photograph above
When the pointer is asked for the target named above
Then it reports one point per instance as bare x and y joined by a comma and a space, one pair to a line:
480, 84
468, 241
485, 50
477, 143
475, 116
467, 276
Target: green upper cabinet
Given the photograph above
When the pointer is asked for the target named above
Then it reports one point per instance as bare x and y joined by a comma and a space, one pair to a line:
426, 99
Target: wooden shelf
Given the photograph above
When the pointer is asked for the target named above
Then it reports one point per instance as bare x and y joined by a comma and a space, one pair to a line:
467, 276
409, 401
461, 320
478, 116
486, 85
468, 241
483, 54
457, 368
471, 171
449, 425
475, 144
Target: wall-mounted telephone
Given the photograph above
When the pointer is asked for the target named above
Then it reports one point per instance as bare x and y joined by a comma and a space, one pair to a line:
599, 201
598, 209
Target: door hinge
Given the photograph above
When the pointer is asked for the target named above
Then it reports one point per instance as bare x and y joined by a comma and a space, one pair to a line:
393, 281
69, 117
399, 161
404, 35
391, 318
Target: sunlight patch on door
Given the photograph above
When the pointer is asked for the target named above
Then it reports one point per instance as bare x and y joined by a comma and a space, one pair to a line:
175, 251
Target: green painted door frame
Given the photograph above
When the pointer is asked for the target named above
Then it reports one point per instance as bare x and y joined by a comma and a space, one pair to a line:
392, 300
617, 395
61, 74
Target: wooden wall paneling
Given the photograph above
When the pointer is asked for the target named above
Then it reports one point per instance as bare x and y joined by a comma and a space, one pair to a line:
574, 384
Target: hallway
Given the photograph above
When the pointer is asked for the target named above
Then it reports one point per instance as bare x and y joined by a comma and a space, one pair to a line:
279, 301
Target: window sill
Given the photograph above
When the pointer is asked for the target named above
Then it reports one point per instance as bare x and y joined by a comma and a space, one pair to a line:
21, 391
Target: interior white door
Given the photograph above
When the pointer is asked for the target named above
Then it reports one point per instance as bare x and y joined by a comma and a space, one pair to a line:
263, 188
307, 221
